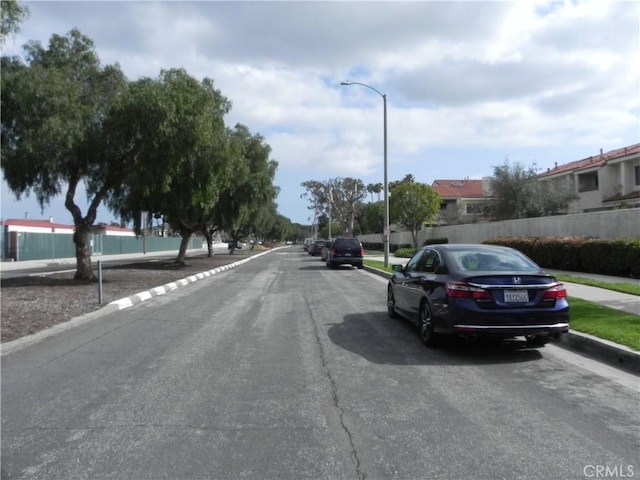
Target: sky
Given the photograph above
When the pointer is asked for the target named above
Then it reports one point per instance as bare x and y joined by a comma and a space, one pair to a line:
468, 85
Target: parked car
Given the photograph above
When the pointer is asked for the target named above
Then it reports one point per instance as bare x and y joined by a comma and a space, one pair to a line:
325, 251
478, 291
345, 251
316, 248
307, 243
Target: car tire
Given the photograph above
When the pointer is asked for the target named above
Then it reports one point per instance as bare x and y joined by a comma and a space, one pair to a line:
391, 304
360, 266
425, 324
331, 265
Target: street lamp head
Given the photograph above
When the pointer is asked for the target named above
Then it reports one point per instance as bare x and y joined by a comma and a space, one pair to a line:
346, 83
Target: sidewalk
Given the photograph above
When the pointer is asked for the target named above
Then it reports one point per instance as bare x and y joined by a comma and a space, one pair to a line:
70, 263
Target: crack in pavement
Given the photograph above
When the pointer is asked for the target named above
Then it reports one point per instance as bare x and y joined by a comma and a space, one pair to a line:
334, 393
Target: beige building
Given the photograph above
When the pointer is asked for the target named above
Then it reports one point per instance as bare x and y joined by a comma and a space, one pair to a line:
610, 180
463, 201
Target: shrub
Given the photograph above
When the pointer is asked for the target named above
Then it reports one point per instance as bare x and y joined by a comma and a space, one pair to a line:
434, 241
577, 254
405, 252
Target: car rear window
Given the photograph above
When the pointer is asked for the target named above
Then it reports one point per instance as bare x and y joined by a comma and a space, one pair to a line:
496, 260
347, 243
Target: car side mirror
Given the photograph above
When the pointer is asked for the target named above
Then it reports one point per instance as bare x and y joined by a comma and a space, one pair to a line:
397, 268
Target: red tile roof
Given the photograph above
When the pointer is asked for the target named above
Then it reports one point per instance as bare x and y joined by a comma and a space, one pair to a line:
27, 222
594, 161
458, 188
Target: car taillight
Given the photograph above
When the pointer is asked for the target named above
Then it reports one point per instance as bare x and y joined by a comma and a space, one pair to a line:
557, 291
333, 252
464, 290
362, 252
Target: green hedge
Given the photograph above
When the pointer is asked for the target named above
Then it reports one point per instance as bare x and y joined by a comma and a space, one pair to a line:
405, 252
434, 241
380, 246
608, 257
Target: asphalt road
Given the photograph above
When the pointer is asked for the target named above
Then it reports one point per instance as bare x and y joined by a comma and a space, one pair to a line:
284, 369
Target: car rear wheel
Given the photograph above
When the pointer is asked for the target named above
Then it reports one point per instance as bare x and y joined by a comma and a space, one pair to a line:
429, 338
391, 304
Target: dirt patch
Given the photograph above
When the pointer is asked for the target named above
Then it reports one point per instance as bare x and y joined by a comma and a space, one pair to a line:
34, 303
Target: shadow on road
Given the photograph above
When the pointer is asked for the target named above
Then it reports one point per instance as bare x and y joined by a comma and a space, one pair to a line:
381, 340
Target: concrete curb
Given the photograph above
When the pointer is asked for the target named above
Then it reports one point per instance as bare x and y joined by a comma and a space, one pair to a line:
602, 350
117, 305
599, 349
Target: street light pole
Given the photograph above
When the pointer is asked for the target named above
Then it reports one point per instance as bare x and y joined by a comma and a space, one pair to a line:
386, 232
330, 202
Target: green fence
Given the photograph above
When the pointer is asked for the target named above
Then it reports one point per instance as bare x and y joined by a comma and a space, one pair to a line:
24, 246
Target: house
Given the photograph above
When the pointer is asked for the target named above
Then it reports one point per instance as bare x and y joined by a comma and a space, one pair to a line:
463, 201
606, 181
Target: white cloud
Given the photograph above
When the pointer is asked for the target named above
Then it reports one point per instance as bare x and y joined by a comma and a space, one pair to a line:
467, 82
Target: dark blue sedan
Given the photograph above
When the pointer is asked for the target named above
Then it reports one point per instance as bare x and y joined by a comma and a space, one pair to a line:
478, 291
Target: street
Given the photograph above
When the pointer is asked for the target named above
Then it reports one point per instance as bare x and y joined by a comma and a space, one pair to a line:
284, 369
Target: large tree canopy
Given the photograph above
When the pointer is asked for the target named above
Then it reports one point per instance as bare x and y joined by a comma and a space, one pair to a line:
517, 193
337, 198
54, 104
245, 204
173, 128
11, 15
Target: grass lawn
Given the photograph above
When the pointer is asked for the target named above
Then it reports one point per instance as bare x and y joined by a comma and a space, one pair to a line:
589, 317
377, 264
630, 288
604, 322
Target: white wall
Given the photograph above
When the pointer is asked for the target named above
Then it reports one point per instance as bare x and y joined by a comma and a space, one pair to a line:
609, 224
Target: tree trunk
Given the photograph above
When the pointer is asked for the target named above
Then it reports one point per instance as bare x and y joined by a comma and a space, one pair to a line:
209, 237
83, 253
184, 243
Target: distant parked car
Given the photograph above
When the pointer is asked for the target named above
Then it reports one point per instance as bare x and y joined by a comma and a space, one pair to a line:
316, 248
478, 291
307, 243
345, 251
324, 254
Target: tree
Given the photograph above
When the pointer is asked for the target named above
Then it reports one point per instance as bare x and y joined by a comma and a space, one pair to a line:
54, 104
517, 193
376, 188
175, 124
412, 205
343, 196
240, 209
11, 15
373, 218
408, 178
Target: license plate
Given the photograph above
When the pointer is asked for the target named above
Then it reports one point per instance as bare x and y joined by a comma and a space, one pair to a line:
516, 296
347, 254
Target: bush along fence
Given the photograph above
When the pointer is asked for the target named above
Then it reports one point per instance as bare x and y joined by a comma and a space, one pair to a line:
619, 257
